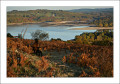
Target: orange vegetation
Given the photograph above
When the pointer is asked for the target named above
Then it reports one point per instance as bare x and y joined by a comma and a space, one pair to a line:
95, 61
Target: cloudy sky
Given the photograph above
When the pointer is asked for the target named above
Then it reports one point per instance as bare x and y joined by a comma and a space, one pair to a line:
21, 8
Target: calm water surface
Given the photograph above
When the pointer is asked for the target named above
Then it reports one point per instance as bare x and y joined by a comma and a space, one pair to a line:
62, 32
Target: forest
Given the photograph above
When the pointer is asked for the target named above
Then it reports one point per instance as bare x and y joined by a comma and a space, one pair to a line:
99, 17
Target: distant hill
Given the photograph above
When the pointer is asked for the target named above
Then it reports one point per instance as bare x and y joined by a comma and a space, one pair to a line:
92, 10
99, 17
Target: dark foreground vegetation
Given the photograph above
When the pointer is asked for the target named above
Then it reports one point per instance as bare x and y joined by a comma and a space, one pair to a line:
86, 56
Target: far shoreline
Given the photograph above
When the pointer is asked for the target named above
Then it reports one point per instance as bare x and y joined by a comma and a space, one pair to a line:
12, 24
45, 24
63, 23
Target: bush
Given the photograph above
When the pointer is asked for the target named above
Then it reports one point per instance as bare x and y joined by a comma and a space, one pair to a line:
39, 34
9, 35
58, 39
102, 43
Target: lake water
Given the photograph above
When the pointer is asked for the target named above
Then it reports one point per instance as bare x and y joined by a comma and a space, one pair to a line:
62, 32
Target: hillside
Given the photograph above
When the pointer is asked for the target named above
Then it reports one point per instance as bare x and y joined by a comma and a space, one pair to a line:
60, 59
99, 17
97, 10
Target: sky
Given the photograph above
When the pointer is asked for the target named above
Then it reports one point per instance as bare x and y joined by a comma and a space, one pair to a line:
24, 8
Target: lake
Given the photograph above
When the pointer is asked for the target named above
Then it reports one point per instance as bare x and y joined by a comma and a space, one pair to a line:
55, 32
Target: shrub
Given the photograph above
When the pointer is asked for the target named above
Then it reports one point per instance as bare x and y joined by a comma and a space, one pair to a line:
39, 34
9, 35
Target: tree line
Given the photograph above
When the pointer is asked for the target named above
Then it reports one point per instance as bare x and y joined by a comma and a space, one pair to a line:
100, 37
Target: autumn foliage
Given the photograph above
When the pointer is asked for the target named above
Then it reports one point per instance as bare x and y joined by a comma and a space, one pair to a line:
95, 61
20, 62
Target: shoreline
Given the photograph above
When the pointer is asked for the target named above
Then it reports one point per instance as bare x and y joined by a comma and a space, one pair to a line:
91, 28
63, 23
12, 24
45, 24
